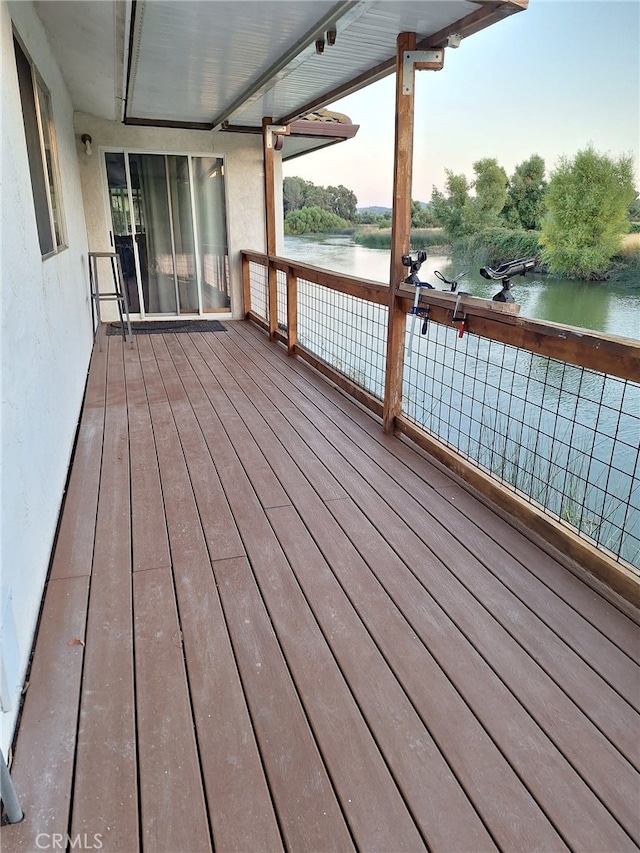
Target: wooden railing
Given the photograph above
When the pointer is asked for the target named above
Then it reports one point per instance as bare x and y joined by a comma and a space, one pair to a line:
592, 525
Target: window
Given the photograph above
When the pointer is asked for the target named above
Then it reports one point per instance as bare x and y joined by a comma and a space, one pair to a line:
43, 165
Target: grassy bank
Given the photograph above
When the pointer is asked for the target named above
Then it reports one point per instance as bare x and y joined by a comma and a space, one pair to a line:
421, 238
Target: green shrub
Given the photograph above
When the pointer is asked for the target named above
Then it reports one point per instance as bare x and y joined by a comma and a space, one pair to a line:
493, 246
313, 220
634, 228
587, 203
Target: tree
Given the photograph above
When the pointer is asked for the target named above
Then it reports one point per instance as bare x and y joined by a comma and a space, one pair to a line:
298, 193
587, 203
317, 197
294, 192
490, 185
525, 193
447, 209
343, 202
460, 213
421, 216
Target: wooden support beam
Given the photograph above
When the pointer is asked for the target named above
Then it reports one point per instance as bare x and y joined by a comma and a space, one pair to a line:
400, 236
246, 285
270, 222
292, 311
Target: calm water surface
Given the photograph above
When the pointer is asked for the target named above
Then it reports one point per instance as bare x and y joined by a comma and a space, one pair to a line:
603, 307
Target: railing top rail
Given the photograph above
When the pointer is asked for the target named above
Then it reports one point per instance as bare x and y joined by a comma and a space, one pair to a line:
616, 356
372, 291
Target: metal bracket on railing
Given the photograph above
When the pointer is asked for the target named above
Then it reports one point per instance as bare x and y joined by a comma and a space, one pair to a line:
417, 311
456, 317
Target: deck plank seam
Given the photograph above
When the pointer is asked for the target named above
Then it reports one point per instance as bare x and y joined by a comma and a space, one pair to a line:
139, 781
113, 362
206, 439
251, 713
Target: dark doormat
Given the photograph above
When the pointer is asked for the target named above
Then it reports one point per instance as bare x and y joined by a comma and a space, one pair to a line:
168, 326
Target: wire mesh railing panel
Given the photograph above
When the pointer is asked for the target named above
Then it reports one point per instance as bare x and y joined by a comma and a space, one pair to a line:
281, 284
346, 332
565, 438
258, 284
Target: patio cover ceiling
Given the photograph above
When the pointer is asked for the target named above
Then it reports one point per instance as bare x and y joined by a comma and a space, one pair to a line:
229, 63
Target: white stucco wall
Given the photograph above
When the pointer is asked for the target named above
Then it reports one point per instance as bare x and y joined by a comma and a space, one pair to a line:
46, 345
244, 182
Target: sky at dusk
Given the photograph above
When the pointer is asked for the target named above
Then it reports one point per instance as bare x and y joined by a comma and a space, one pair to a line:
548, 81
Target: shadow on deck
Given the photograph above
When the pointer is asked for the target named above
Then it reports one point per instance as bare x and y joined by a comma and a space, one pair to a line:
268, 625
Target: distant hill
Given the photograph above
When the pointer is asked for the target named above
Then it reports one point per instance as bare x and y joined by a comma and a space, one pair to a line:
384, 210
375, 209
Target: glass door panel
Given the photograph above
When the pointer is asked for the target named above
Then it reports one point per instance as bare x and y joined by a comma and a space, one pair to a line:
208, 185
153, 233
183, 242
169, 226
121, 224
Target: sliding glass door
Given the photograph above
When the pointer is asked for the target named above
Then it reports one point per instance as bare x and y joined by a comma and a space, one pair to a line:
169, 228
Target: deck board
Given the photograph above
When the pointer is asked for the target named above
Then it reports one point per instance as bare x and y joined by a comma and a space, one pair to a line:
149, 529
303, 634
76, 533
50, 716
170, 782
105, 785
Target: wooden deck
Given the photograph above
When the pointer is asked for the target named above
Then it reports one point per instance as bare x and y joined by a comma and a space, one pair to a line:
270, 626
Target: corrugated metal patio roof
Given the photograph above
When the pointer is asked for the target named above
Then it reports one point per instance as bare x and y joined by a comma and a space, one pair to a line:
204, 64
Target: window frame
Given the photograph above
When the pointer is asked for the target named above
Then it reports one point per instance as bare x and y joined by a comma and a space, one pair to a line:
51, 229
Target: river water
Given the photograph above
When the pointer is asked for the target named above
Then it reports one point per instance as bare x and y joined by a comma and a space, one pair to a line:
602, 307
567, 438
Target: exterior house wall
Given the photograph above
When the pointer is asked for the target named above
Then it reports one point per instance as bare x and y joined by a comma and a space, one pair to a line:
244, 183
46, 346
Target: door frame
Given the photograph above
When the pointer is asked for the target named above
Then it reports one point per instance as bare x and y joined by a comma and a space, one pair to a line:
143, 315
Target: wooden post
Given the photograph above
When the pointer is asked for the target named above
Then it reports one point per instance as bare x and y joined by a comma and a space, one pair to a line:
270, 223
246, 285
400, 236
292, 311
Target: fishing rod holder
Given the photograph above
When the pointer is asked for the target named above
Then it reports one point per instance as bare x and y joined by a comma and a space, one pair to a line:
504, 273
414, 262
